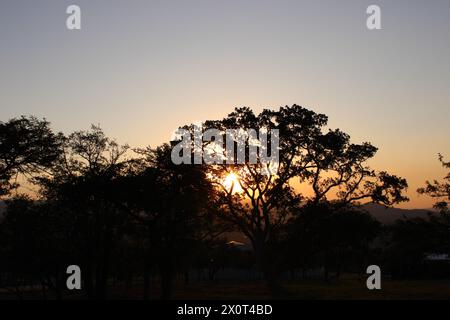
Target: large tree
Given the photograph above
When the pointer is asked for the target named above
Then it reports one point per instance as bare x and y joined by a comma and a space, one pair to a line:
80, 184
173, 205
326, 160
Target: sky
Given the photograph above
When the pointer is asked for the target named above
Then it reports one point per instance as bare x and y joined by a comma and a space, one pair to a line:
140, 69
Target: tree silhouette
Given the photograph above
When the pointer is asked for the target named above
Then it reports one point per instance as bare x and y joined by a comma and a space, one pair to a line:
329, 235
440, 224
27, 146
409, 241
80, 181
174, 206
333, 166
121, 213
438, 189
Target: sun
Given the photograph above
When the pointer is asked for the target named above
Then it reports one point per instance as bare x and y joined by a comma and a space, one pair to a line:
231, 183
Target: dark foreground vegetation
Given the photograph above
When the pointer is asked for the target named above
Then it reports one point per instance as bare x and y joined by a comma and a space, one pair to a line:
142, 227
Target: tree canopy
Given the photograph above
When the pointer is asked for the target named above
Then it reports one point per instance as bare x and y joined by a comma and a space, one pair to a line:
27, 146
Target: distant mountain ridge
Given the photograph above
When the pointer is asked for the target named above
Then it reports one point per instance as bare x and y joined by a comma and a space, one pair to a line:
379, 212
387, 215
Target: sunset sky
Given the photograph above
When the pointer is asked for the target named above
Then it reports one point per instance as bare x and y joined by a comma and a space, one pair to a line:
140, 69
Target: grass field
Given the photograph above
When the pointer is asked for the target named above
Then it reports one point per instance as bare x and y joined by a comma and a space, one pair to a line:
348, 287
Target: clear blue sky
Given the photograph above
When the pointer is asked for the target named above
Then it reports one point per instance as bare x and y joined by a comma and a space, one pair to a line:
142, 68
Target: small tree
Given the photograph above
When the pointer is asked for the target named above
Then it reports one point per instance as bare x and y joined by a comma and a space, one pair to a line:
441, 222
439, 190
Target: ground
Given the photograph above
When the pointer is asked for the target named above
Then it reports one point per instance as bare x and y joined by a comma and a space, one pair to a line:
349, 287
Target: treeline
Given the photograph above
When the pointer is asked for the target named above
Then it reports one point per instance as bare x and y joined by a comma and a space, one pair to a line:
111, 214
122, 213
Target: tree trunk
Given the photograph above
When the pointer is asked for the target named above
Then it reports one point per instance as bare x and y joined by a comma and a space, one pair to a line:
146, 282
186, 276
267, 268
166, 283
